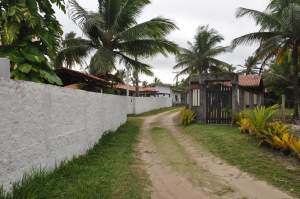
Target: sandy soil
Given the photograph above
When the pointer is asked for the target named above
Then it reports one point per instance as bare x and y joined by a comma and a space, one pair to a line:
216, 179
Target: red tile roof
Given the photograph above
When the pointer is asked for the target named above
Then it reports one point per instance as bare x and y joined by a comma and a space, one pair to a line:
249, 80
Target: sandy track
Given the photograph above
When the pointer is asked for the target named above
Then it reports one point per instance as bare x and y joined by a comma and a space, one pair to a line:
218, 179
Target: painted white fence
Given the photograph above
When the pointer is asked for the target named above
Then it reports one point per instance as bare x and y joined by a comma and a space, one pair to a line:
41, 125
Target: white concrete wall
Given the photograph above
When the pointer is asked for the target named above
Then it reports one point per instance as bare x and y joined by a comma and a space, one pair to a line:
41, 125
145, 104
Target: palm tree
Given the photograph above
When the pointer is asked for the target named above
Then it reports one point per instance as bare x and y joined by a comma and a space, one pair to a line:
277, 77
279, 32
157, 82
250, 66
200, 57
137, 70
145, 84
73, 51
114, 35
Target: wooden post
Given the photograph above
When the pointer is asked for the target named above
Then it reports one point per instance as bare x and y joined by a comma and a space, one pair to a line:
234, 83
202, 111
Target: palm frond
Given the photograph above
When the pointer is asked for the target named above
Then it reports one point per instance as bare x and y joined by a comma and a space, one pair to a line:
263, 19
253, 38
133, 64
77, 13
148, 47
156, 28
125, 15
102, 62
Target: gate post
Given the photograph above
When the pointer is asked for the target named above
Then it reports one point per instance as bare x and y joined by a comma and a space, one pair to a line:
202, 114
235, 107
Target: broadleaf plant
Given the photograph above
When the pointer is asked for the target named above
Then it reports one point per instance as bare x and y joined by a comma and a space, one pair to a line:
29, 37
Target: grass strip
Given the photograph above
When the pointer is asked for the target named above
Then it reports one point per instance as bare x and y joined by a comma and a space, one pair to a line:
109, 170
157, 111
243, 151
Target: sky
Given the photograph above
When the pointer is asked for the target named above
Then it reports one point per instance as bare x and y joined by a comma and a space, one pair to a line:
188, 16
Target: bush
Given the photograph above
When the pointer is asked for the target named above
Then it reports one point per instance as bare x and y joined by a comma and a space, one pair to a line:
260, 117
259, 122
187, 117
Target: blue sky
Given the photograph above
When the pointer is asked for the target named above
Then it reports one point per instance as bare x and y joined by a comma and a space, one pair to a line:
189, 15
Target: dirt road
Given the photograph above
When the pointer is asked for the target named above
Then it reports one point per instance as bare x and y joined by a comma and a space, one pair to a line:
180, 169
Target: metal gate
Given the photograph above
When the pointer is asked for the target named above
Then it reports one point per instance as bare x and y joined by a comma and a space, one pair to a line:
218, 104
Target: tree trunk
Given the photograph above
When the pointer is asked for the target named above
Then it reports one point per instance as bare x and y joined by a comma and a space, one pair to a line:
295, 79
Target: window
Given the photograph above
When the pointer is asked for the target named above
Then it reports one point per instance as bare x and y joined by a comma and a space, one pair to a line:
196, 97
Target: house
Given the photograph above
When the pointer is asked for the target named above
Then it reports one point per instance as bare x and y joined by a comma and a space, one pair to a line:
178, 96
216, 97
143, 91
81, 80
164, 90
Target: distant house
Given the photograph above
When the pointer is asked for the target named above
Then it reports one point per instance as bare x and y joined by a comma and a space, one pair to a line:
215, 97
178, 96
143, 91
164, 90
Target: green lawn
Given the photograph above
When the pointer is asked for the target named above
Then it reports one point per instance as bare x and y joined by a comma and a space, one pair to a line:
109, 170
243, 151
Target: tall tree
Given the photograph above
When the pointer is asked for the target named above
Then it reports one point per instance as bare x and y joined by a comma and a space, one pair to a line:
29, 35
200, 57
279, 32
250, 66
114, 34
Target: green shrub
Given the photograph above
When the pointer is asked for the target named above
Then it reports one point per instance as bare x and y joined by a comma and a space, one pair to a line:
187, 117
259, 122
260, 117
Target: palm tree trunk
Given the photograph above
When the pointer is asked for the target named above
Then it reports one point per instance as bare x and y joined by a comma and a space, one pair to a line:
295, 79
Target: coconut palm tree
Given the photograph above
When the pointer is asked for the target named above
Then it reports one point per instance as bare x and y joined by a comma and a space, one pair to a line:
73, 51
145, 84
114, 36
136, 71
278, 33
200, 57
250, 66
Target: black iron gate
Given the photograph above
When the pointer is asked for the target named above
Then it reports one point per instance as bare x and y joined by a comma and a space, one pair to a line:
218, 104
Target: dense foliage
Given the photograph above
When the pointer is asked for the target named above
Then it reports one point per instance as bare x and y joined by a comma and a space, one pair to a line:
259, 122
279, 34
29, 36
